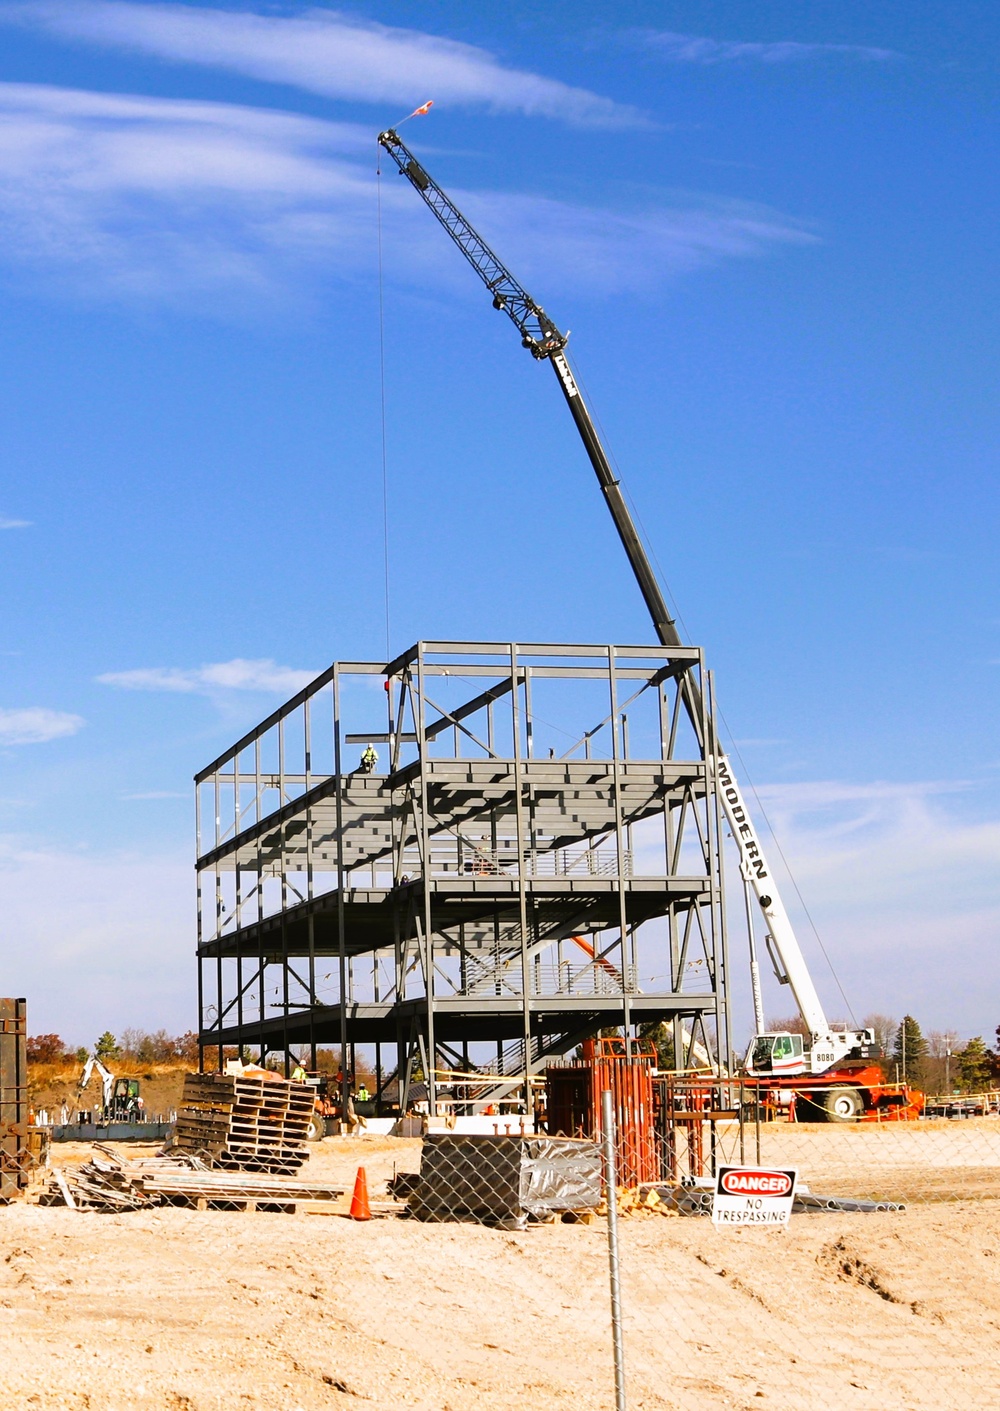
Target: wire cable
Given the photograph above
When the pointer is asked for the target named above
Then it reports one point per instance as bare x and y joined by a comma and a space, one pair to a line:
381, 362
791, 875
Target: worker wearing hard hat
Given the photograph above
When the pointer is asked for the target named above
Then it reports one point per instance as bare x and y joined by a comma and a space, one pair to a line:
369, 759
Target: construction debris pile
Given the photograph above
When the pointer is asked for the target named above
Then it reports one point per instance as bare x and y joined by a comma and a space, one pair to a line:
696, 1199
246, 1122
111, 1184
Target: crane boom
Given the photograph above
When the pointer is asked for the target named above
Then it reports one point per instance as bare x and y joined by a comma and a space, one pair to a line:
546, 342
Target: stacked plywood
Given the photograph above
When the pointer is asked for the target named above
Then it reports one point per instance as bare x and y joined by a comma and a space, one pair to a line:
247, 1123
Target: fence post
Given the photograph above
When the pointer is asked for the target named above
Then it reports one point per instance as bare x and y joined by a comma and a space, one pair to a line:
611, 1188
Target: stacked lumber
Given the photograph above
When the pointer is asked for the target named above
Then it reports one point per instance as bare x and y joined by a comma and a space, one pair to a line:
245, 1123
110, 1183
96, 1185
234, 1189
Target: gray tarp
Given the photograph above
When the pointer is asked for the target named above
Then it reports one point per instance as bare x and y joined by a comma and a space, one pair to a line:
503, 1178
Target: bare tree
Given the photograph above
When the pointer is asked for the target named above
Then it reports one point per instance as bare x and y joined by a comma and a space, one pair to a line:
131, 1041
795, 1024
885, 1029
941, 1068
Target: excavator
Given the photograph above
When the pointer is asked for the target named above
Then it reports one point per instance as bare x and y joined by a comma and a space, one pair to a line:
833, 1073
121, 1100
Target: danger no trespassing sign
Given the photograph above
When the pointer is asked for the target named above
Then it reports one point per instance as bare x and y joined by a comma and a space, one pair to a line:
753, 1195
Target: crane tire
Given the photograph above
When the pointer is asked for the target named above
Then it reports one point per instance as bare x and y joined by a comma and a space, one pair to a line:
809, 1107
842, 1104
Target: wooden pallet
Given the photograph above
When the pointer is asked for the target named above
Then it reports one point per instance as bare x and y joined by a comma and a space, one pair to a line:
247, 1123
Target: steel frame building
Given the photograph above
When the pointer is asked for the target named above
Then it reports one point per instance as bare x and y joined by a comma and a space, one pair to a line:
536, 857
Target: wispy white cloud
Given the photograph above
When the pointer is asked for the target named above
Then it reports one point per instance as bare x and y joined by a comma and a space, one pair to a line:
164, 198
324, 51
98, 939
901, 880
608, 251
133, 197
905, 889
14, 523
36, 725
237, 675
698, 49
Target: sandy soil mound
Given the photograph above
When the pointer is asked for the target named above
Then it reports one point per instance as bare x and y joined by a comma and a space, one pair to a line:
51, 1085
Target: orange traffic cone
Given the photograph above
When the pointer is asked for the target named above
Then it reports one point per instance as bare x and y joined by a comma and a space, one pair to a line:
360, 1209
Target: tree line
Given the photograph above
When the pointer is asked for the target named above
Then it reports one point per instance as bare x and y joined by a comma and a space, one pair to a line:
160, 1049
938, 1062
135, 1044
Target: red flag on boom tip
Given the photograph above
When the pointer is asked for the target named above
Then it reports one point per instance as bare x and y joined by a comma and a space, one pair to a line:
417, 112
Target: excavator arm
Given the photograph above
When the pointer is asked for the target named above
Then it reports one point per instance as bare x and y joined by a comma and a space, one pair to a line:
107, 1080
546, 342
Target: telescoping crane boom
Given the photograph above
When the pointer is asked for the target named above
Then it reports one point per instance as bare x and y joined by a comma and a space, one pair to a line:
828, 1048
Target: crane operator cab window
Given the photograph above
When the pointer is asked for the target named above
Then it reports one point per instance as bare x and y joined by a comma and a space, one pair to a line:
776, 1053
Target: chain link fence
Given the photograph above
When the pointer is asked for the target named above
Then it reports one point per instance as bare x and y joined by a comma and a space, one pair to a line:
883, 1291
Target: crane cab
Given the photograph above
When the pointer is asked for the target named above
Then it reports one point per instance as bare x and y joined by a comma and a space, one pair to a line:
776, 1053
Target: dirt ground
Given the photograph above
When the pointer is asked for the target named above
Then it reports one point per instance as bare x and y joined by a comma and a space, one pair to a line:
178, 1309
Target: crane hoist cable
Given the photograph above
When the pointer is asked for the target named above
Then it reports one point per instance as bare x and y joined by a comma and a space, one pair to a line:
381, 371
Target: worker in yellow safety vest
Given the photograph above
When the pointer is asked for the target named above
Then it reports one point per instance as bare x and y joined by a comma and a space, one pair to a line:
298, 1074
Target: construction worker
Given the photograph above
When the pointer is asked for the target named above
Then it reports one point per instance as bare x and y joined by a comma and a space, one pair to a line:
362, 1094
298, 1074
369, 759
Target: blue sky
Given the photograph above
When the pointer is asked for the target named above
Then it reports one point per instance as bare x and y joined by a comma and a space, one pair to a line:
772, 231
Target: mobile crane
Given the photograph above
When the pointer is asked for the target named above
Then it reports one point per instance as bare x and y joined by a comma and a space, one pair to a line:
835, 1067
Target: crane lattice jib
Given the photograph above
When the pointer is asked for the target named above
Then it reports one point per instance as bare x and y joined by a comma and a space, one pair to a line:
538, 333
